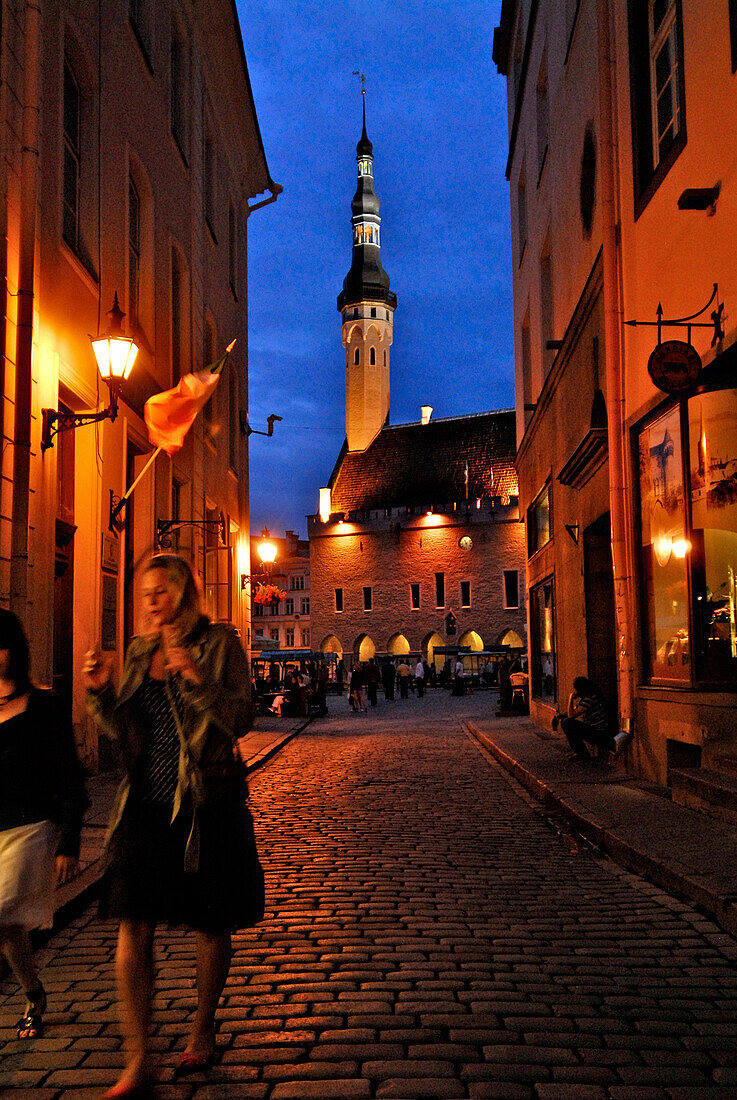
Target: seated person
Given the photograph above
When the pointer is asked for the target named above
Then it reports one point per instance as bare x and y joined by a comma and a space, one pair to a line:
587, 721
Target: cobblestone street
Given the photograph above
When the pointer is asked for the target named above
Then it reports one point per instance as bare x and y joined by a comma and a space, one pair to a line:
428, 934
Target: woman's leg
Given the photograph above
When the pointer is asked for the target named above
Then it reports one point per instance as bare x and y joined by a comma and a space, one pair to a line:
134, 971
15, 945
213, 963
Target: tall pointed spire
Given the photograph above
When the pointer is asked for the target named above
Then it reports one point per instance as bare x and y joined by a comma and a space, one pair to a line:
367, 306
366, 278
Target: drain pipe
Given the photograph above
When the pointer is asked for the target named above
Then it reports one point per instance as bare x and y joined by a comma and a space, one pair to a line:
24, 335
624, 610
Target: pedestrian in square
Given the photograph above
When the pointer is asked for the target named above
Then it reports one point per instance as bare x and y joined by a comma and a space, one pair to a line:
180, 843
356, 689
404, 675
420, 679
372, 680
42, 802
388, 676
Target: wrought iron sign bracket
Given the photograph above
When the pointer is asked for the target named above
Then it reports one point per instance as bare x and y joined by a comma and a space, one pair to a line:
167, 528
717, 317
248, 431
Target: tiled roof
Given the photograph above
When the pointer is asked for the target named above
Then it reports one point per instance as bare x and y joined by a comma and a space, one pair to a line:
424, 464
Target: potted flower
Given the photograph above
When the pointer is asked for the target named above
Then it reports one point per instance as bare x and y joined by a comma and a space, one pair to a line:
268, 594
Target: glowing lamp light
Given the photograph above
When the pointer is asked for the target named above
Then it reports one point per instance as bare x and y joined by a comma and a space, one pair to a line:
680, 547
662, 548
324, 507
266, 549
115, 354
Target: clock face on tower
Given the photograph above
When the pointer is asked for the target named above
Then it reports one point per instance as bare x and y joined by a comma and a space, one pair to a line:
466, 542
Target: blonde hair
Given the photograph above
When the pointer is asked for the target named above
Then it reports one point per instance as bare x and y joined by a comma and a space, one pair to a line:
180, 576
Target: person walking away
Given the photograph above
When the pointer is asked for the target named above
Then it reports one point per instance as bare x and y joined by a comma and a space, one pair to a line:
388, 676
356, 689
587, 721
420, 679
458, 682
403, 673
323, 678
42, 802
180, 842
372, 680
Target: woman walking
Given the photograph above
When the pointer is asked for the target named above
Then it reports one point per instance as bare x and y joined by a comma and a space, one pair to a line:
42, 801
181, 846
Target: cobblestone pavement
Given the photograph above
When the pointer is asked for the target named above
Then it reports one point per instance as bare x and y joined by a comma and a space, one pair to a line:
429, 935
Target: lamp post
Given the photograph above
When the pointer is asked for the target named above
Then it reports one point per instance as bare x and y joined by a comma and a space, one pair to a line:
115, 353
266, 550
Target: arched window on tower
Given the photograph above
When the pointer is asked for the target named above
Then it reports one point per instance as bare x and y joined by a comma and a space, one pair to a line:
372, 356
357, 356
364, 167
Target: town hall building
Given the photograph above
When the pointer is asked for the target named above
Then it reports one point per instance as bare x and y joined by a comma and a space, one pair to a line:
418, 541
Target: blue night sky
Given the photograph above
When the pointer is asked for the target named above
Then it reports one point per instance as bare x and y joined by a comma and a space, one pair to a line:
436, 115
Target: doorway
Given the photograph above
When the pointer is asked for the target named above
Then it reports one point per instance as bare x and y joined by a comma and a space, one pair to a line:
601, 635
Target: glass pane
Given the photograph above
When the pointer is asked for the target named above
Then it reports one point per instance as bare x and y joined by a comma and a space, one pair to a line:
659, 9
664, 548
543, 642
712, 419
71, 108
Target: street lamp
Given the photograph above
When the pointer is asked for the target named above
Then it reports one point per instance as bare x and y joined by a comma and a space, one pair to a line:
115, 353
267, 551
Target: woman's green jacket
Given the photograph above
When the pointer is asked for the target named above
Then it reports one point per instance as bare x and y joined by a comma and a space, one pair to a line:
215, 714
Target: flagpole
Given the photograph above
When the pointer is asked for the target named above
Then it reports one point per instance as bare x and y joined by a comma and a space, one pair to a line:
124, 499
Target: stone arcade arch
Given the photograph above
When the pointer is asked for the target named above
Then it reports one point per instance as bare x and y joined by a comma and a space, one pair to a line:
472, 639
510, 638
330, 644
428, 646
363, 648
397, 644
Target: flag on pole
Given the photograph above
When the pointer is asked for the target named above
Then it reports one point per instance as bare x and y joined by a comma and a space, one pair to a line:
170, 415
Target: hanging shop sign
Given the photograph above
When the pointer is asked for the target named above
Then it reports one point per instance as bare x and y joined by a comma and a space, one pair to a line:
675, 365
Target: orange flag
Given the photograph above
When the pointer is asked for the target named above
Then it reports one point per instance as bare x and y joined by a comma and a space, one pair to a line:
170, 415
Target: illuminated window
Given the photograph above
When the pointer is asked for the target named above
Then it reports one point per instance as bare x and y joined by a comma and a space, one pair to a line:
542, 649
72, 144
134, 250
364, 167
538, 522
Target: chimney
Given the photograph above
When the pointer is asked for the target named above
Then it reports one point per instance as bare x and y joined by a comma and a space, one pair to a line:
292, 541
426, 411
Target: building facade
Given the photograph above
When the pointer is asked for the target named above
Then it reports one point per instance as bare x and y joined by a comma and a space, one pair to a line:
131, 149
621, 209
418, 541
284, 625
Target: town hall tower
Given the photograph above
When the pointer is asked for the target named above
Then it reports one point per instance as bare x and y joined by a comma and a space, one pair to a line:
367, 307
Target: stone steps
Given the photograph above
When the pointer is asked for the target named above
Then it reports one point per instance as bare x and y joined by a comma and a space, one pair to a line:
705, 789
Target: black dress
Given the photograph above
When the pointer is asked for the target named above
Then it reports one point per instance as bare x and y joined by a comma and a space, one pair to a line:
145, 879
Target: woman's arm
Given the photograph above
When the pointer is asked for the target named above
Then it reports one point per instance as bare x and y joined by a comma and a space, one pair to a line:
223, 690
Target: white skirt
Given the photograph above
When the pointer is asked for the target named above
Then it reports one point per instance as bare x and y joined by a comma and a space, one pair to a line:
27, 864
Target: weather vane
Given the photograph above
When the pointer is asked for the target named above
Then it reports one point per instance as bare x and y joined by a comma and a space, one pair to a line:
356, 72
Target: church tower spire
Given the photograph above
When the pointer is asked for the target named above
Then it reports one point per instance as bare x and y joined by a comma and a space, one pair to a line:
367, 306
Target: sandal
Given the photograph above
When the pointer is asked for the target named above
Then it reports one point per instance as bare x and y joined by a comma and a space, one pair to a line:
31, 1025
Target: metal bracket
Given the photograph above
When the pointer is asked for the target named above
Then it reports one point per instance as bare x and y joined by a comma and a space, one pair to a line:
249, 431
717, 317
166, 528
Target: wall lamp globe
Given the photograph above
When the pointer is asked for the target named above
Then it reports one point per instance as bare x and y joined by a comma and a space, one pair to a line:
115, 354
266, 550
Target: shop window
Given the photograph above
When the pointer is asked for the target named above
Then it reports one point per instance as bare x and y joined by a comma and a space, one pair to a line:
368, 598
712, 467
688, 455
338, 599
542, 655
414, 597
511, 588
538, 522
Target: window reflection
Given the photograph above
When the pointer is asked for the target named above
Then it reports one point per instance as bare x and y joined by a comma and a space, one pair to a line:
712, 420
543, 641
664, 548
